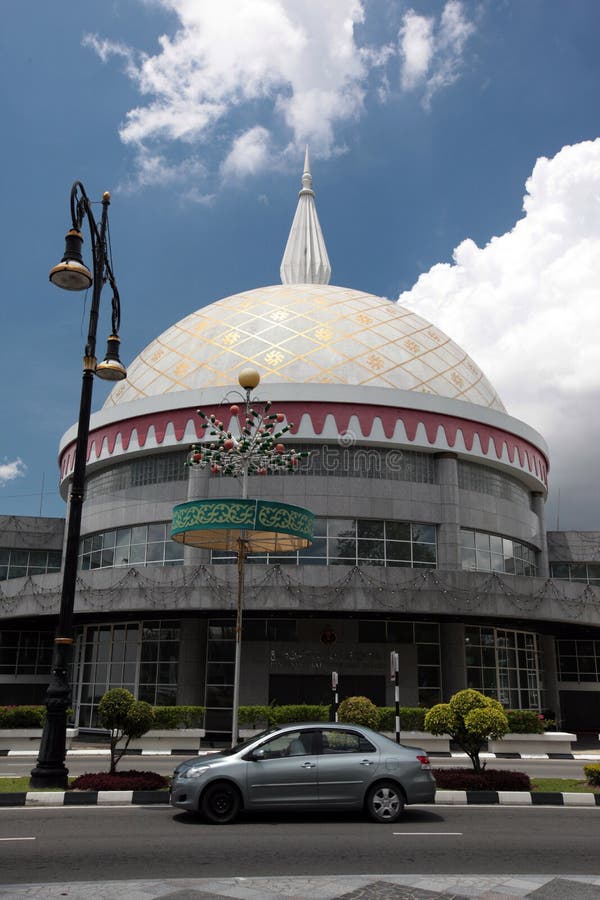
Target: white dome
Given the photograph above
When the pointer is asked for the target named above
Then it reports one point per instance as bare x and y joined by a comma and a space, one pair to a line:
306, 333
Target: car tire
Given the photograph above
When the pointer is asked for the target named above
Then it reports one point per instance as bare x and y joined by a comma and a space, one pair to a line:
385, 802
221, 803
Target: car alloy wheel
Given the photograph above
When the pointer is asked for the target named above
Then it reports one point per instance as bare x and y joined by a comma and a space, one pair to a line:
220, 803
385, 802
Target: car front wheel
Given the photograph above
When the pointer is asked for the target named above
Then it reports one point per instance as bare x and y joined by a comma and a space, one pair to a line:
385, 802
220, 803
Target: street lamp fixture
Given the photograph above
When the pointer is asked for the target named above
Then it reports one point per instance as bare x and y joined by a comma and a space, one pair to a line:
71, 274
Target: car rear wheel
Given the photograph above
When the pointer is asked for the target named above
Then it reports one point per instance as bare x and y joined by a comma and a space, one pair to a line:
385, 802
221, 803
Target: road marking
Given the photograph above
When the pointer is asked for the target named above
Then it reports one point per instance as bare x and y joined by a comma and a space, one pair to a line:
401, 833
18, 839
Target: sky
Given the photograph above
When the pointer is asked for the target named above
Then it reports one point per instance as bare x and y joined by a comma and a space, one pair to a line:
455, 154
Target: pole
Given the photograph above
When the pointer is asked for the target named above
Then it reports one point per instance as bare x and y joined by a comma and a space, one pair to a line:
50, 770
334, 688
395, 675
241, 557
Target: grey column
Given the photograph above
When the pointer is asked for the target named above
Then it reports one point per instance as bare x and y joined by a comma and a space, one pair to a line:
192, 663
538, 503
449, 528
550, 674
454, 670
197, 490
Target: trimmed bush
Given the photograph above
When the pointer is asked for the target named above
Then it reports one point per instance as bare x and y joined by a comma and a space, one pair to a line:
22, 716
280, 715
359, 711
412, 718
254, 716
126, 718
120, 781
487, 780
171, 717
592, 773
525, 721
469, 718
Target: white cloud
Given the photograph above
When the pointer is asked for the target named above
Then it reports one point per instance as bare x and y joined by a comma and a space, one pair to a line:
11, 470
526, 307
293, 68
249, 153
432, 52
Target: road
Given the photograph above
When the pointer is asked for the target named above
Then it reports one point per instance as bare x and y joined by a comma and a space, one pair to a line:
83, 844
77, 765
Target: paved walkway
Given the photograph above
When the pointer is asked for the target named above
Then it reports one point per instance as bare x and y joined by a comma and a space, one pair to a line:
366, 887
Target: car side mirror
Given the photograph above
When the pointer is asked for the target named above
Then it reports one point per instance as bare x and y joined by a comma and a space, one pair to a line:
258, 755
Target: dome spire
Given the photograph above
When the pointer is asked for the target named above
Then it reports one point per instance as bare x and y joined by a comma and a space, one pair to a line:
305, 259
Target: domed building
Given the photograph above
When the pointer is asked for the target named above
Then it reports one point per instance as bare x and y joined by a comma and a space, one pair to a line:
429, 534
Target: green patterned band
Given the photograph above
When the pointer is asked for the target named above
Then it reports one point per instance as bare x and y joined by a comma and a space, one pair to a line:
263, 525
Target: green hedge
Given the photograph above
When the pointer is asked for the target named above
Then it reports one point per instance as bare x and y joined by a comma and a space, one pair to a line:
592, 773
521, 721
170, 717
22, 716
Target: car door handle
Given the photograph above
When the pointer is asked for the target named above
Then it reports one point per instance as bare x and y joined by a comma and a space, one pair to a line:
367, 762
308, 765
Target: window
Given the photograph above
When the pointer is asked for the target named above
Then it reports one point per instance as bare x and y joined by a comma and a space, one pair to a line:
505, 665
586, 572
337, 741
362, 542
484, 480
19, 563
483, 552
579, 660
141, 545
426, 637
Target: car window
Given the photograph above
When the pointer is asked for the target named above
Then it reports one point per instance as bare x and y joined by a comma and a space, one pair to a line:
338, 741
292, 743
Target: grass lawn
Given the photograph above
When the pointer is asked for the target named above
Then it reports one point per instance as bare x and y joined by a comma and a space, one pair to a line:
539, 785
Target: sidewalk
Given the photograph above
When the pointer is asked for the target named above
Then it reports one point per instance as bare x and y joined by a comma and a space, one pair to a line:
364, 887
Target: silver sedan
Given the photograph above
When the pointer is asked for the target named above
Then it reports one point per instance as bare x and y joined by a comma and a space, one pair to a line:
306, 766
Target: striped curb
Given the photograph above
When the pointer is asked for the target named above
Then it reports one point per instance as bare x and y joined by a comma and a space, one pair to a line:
144, 798
189, 753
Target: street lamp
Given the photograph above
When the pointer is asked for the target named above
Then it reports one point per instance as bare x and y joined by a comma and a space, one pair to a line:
71, 274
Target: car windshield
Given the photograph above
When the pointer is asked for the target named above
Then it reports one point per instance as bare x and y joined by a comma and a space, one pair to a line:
246, 743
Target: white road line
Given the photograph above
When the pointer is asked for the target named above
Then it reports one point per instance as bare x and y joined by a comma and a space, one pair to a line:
402, 833
18, 839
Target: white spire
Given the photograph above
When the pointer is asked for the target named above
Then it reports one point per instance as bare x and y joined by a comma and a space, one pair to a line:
305, 259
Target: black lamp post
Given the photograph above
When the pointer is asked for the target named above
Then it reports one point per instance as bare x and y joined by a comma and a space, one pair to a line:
72, 274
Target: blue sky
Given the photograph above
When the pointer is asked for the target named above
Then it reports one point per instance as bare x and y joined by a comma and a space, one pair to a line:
429, 123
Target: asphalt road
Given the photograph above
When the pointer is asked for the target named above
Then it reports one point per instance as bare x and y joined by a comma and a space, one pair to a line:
77, 765
84, 844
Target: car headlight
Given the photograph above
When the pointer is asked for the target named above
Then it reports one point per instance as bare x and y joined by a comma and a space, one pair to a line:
194, 772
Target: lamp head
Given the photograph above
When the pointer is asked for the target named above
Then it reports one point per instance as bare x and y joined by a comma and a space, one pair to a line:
111, 368
71, 274
249, 379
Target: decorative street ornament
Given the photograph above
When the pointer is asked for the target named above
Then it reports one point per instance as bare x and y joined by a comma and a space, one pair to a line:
243, 526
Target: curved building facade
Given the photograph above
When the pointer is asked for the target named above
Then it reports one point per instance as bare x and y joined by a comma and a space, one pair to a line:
429, 539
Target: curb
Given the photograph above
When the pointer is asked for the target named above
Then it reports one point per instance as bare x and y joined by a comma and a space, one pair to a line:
145, 798
189, 753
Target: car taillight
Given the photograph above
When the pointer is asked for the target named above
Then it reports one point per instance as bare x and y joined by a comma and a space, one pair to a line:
424, 760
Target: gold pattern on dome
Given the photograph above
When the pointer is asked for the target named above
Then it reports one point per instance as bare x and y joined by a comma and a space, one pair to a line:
458, 381
433, 335
374, 361
182, 368
158, 354
364, 319
279, 315
411, 345
322, 334
274, 358
231, 338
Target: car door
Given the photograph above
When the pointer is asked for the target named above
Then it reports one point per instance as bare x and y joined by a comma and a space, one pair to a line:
283, 772
347, 764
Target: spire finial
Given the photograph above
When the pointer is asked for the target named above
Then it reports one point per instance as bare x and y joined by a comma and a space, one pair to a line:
305, 259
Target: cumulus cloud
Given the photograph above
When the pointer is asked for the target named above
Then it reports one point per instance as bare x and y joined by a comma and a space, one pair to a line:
432, 51
275, 74
526, 307
11, 470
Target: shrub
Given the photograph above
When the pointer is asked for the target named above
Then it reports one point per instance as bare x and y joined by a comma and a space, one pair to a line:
469, 718
487, 780
279, 715
359, 711
22, 716
592, 773
525, 721
170, 717
254, 716
120, 781
125, 717
412, 718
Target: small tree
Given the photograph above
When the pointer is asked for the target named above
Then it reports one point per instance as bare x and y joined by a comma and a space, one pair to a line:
125, 717
359, 711
469, 718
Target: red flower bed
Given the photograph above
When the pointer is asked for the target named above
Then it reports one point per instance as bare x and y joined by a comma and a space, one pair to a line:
121, 781
488, 780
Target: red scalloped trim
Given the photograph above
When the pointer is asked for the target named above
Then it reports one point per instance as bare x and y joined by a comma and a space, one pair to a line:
528, 455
